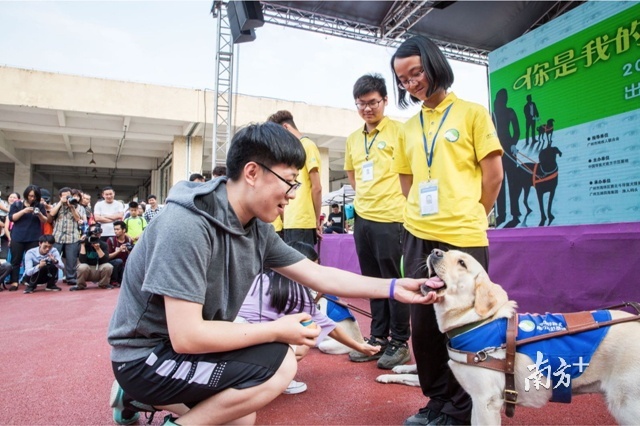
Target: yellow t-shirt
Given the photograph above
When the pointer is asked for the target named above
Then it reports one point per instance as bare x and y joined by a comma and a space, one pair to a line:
300, 213
379, 199
277, 224
466, 137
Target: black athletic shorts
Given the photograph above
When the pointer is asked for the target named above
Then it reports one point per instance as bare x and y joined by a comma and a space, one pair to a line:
166, 377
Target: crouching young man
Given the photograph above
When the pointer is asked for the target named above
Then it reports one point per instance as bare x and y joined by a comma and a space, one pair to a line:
42, 264
174, 343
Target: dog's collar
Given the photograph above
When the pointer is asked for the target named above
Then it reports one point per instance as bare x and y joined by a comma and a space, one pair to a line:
467, 327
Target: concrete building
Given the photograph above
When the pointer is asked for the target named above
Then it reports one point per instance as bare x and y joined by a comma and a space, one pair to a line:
61, 130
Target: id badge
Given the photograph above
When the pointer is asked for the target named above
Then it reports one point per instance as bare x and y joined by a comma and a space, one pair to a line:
367, 171
429, 197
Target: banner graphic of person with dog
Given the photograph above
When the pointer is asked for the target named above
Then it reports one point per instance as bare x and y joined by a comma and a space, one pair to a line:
565, 99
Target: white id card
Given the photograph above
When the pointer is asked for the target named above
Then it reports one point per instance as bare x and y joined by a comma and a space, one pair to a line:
429, 197
367, 171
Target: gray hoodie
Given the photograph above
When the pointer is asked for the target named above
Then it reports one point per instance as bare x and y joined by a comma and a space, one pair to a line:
197, 250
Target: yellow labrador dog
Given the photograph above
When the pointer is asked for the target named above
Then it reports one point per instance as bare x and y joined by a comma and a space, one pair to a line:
469, 297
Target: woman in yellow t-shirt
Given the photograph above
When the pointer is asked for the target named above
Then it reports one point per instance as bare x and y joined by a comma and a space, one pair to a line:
450, 171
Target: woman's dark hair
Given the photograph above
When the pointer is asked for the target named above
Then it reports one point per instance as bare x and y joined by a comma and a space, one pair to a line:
36, 192
287, 294
437, 69
267, 143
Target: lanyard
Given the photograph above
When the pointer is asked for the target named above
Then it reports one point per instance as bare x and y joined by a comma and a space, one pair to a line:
368, 147
429, 154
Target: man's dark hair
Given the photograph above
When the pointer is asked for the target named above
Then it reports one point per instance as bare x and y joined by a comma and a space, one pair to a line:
369, 83
152, 196
334, 205
437, 69
47, 238
267, 143
133, 204
121, 224
106, 188
219, 171
64, 189
195, 176
36, 192
281, 117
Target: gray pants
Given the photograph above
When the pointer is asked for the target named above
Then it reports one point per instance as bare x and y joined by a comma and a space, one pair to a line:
70, 253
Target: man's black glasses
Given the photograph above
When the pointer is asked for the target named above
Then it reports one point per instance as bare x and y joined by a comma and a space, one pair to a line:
292, 186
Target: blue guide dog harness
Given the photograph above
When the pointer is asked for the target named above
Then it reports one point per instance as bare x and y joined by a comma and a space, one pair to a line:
560, 345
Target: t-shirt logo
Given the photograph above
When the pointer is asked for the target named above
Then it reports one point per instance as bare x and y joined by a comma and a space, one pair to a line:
382, 144
452, 135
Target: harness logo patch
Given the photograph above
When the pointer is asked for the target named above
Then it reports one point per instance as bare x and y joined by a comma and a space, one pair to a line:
550, 326
527, 326
452, 135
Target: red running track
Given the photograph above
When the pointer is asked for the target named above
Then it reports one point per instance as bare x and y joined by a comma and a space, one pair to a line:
56, 371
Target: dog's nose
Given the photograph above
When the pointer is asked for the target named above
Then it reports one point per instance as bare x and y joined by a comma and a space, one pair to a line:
437, 253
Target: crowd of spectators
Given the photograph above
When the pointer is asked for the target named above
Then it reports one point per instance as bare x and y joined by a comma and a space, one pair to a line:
46, 240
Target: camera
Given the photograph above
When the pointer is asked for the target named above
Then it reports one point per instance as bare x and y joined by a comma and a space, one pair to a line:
36, 210
93, 233
129, 246
48, 261
72, 201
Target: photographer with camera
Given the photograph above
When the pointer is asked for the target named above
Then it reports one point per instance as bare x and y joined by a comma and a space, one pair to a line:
119, 248
67, 217
41, 265
94, 260
28, 215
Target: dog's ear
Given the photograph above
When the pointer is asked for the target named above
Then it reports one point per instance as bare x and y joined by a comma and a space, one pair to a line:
489, 296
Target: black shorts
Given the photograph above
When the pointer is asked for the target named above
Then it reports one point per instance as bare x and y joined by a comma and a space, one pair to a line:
166, 377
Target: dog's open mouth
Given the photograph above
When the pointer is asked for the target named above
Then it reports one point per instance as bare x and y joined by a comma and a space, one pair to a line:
435, 283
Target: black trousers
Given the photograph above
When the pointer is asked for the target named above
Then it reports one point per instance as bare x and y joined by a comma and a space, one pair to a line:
47, 275
118, 270
308, 236
18, 250
429, 344
379, 249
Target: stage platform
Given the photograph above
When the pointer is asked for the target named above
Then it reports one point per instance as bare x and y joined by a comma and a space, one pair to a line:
546, 269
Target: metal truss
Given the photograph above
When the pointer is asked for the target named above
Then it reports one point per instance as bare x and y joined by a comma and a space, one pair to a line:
394, 29
559, 8
223, 101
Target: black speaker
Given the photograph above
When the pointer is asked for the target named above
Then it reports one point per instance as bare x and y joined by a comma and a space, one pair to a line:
239, 15
250, 15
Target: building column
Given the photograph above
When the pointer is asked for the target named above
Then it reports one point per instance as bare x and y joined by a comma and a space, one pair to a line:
187, 157
22, 176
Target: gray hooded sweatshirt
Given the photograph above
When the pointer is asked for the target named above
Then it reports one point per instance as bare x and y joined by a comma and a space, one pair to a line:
197, 250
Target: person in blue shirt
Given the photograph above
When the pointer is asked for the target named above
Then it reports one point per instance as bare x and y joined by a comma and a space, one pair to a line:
41, 265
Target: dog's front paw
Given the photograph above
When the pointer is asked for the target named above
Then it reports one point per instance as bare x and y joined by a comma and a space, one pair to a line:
385, 378
405, 369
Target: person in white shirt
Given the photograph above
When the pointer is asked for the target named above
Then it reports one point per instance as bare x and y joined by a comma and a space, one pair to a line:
108, 211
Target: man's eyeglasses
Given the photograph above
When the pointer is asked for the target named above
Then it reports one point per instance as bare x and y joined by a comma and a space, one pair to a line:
371, 104
404, 84
292, 186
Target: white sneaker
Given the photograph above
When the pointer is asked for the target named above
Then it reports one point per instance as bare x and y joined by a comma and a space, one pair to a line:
295, 387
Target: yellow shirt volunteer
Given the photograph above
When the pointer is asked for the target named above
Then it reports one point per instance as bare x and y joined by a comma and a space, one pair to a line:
466, 137
277, 224
378, 199
300, 213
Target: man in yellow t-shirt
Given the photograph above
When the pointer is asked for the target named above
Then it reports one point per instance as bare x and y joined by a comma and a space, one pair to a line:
302, 214
379, 204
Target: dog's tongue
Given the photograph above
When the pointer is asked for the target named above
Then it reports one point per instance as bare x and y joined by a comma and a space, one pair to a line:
434, 283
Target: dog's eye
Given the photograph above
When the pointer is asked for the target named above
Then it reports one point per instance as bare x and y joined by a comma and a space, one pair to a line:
461, 263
